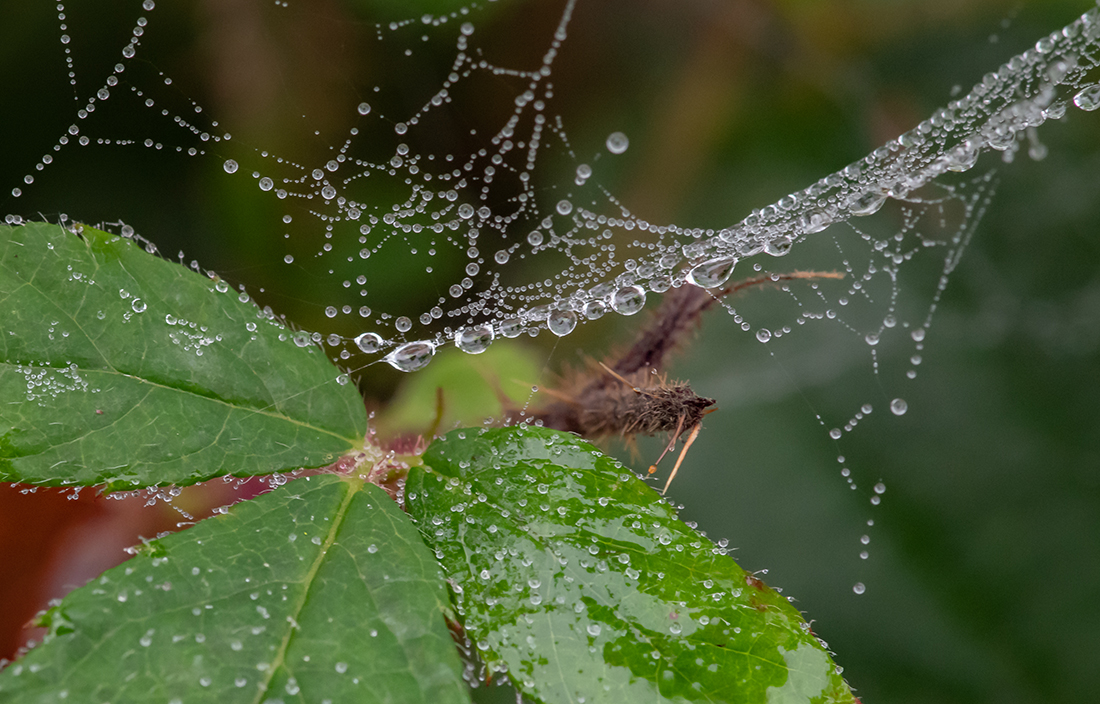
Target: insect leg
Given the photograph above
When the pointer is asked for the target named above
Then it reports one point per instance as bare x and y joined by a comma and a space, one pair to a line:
671, 444
691, 438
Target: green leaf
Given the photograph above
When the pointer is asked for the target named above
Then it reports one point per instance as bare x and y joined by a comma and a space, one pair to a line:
576, 578
119, 367
318, 591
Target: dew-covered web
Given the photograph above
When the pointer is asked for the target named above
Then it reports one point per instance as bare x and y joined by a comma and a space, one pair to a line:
501, 227
511, 227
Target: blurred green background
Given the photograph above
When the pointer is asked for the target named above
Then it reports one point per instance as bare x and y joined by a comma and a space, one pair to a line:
983, 576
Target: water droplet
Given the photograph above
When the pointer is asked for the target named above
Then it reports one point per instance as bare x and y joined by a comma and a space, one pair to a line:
535, 238
411, 356
617, 142
763, 334
778, 246
328, 192
867, 203
331, 311
859, 588
713, 273
474, 340
511, 327
369, 342
364, 109
289, 259
564, 207
230, 166
266, 184
342, 667
593, 629
403, 324
1088, 99
628, 300
465, 211
501, 257
138, 305
814, 222
898, 406
594, 310
835, 433
561, 323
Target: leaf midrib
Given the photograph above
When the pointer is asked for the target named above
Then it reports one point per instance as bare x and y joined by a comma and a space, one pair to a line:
353, 487
213, 399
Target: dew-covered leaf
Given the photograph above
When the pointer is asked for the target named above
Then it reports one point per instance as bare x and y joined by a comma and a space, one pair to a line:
119, 367
318, 591
576, 578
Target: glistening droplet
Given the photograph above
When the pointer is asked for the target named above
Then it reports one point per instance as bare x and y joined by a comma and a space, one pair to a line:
628, 300
561, 323
712, 273
1088, 99
474, 340
369, 342
411, 356
617, 142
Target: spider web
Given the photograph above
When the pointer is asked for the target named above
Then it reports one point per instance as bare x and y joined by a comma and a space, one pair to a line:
510, 224
450, 195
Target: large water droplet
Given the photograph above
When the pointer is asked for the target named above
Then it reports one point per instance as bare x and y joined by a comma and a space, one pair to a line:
778, 246
713, 273
1088, 99
628, 300
266, 184
867, 203
474, 340
511, 327
814, 222
138, 305
411, 356
859, 588
230, 166
617, 142
562, 322
594, 310
898, 406
369, 342
403, 324
364, 108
